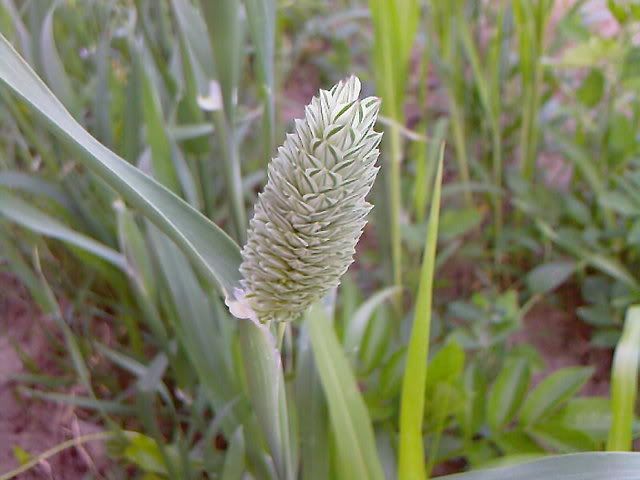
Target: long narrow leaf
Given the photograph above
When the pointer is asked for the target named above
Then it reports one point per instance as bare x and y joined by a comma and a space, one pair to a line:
411, 463
29, 217
578, 466
624, 383
355, 442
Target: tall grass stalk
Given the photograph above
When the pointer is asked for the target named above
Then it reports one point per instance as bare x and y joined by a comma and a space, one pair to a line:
488, 83
395, 23
530, 19
442, 25
411, 463
225, 24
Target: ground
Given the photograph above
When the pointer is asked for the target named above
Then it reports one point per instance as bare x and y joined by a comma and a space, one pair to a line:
35, 425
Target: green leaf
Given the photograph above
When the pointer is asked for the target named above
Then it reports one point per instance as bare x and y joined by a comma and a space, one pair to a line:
357, 324
624, 382
561, 438
207, 246
548, 276
582, 466
554, 390
619, 203
591, 415
313, 421
631, 64
507, 392
591, 89
52, 64
144, 452
355, 442
516, 442
446, 365
411, 463
455, 223
234, 461
266, 391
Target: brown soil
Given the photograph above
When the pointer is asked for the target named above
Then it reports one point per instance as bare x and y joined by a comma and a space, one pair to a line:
35, 425
562, 340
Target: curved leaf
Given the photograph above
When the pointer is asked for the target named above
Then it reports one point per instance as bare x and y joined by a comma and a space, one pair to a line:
582, 466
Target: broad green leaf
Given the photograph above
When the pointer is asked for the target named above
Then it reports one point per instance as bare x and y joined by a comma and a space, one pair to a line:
446, 365
207, 246
144, 452
590, 53
547, 277
579, 466
507, 392
624, 382
620, 203
561, 438
516, 442
454, 223
591, 415
355, 443
591, 89
552, 392
411, 463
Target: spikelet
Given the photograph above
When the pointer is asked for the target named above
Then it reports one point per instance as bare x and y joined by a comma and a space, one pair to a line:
311, 213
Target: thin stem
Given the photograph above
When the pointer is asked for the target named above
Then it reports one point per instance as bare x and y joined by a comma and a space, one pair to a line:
74, 442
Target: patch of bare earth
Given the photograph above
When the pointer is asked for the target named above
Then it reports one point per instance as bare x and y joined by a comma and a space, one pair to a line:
563, 340
35, 425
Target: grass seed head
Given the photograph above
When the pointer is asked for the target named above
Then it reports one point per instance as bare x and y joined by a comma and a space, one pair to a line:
312, 211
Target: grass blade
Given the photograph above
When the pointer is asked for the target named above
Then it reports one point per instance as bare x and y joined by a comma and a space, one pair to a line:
29, 217
313, 423
261, 15
583, 466
265, 379
411, 462
395, 24
355, 442
624, 383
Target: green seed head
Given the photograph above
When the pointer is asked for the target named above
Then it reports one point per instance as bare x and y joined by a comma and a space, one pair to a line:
311, 213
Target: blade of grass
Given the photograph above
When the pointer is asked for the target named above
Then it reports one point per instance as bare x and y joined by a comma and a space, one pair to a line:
52, 64
265, 381
395, 24
624, 383
226, 35
313, 421
353, 433
490, 98
411, 464
261, 15
583, 466
20, 212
